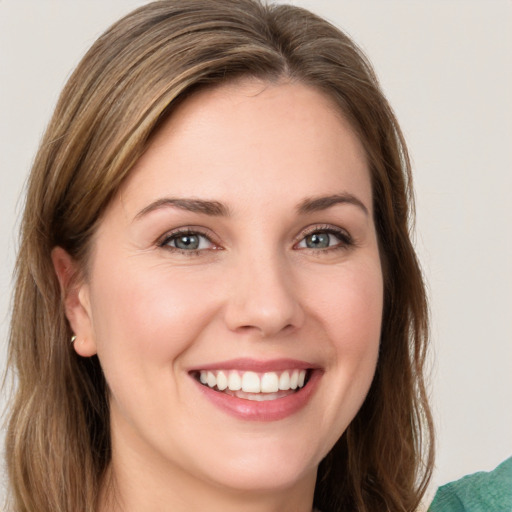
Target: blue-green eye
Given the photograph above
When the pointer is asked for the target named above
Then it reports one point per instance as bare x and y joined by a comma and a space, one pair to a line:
324, 239
318, 241
187, 241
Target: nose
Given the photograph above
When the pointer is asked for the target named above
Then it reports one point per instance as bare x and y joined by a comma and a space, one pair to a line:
263, 298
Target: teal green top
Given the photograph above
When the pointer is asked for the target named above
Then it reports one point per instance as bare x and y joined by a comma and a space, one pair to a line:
480, 492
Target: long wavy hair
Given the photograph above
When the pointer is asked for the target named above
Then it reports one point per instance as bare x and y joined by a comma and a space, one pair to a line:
58, 441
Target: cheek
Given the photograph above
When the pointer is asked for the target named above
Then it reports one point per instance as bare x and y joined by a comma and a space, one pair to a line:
349, 306
349, 303
148, 315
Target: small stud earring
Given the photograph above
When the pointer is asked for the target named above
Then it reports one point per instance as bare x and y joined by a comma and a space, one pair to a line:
73, 338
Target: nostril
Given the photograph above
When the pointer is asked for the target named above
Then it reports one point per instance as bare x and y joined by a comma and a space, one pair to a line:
265, 330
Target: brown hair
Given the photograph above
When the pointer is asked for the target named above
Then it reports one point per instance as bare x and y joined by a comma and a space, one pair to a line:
58, 444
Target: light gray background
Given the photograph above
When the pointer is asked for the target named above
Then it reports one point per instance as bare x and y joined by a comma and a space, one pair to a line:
446, 67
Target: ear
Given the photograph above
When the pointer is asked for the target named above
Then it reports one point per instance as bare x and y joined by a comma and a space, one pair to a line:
75, 294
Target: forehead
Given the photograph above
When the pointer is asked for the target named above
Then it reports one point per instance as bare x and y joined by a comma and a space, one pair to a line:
253, 136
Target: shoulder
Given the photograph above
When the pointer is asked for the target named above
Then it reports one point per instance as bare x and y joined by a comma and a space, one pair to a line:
479, 492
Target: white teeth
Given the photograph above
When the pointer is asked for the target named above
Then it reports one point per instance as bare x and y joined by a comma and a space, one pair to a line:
294, 379
252, 382
262, 397
269, 383
222, 381
284, 381
234, 381
302, 378
211, 379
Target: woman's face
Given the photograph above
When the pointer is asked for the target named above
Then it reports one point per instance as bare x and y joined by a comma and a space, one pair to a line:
241, 251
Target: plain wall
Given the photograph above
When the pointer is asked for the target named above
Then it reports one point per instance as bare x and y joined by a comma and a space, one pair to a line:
446, 67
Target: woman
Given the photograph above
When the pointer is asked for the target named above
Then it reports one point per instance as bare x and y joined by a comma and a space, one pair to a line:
218, 219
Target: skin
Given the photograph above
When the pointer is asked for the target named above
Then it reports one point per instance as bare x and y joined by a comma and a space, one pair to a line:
254, 289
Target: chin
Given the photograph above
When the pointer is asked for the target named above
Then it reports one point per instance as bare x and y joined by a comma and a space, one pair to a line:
269, 479
265, 467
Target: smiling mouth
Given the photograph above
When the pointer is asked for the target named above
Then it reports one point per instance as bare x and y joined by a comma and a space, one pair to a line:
254, 386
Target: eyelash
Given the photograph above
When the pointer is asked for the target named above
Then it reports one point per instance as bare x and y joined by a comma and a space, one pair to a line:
174, 235
345, 240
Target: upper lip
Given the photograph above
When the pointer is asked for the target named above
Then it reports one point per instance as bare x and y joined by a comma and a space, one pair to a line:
257, 365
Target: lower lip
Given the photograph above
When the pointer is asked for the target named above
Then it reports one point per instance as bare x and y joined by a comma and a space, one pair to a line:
269, 410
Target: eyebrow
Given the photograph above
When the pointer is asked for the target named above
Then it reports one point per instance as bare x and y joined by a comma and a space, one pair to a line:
217, 209
213, 208
316, 204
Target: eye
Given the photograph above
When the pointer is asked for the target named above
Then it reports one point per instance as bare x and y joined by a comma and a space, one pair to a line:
326, 238
187, 241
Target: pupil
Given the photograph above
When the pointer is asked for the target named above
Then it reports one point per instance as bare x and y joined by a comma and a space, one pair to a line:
187, 242
317, 240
